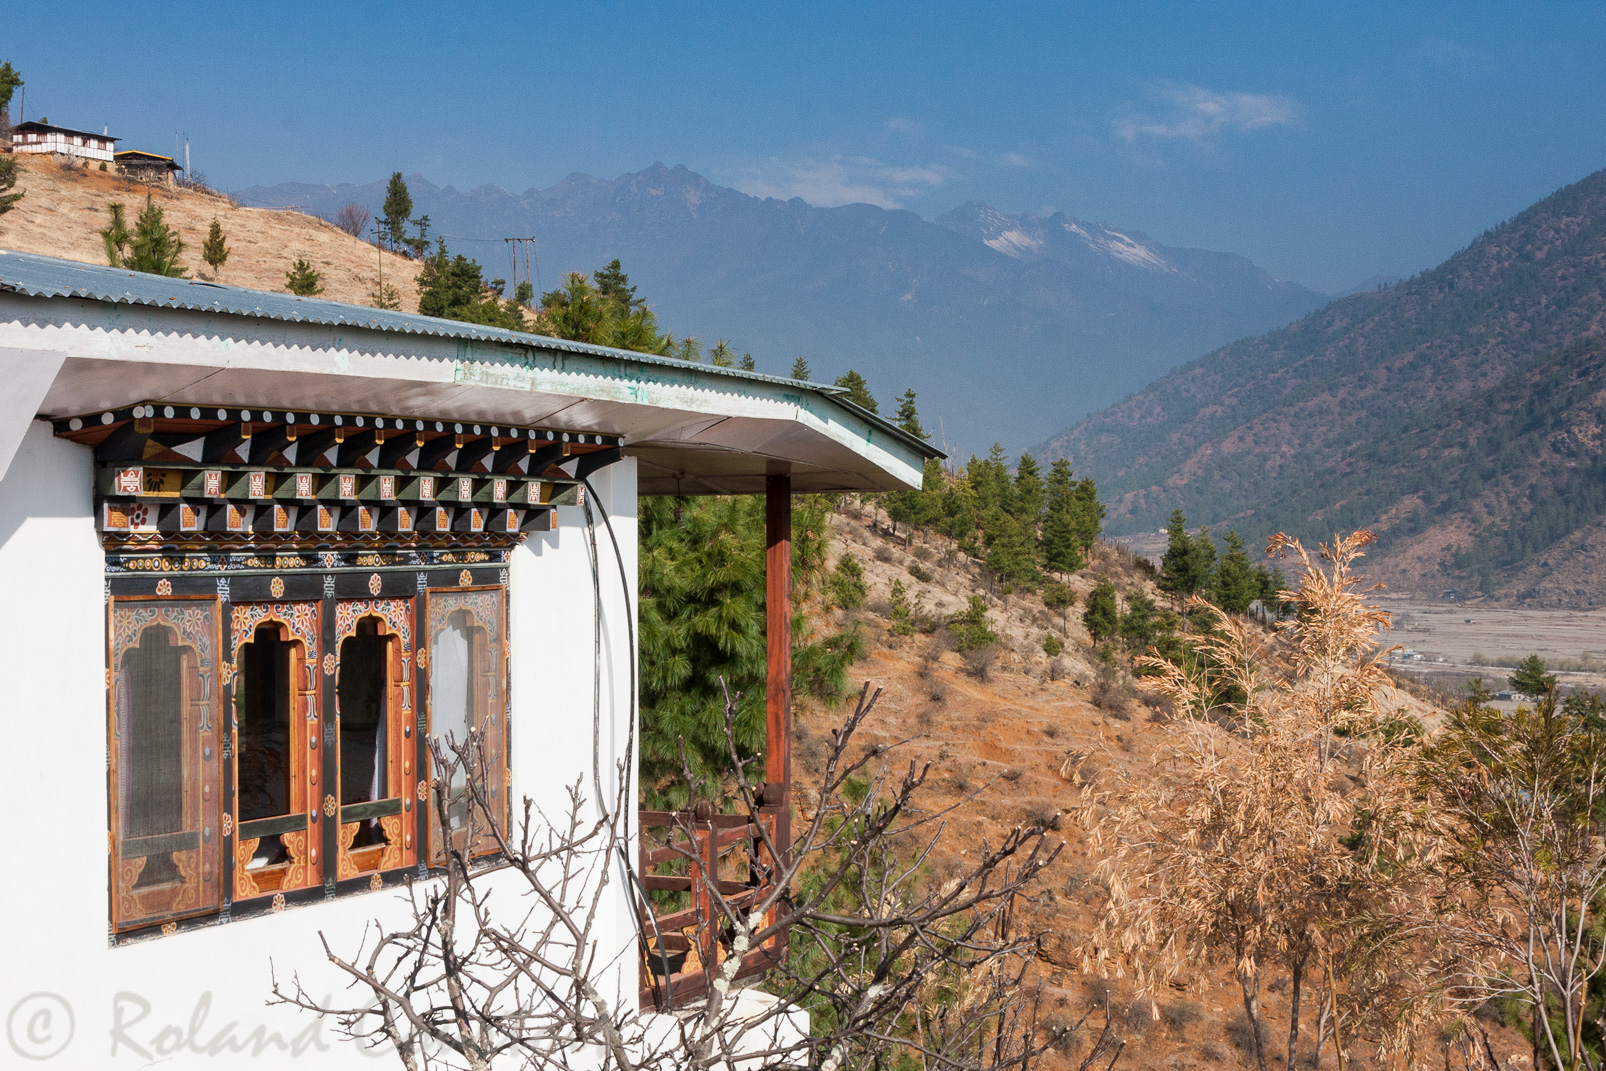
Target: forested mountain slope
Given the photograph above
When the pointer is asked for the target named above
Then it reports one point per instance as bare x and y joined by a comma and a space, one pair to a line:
1004, 339
1459, 413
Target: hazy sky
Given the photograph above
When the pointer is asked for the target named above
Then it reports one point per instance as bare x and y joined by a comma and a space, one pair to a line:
1326, 145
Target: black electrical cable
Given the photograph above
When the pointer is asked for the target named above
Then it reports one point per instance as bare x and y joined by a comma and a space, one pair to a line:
631, 877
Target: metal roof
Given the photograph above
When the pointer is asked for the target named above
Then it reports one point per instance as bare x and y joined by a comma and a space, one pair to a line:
31, 125
34, 275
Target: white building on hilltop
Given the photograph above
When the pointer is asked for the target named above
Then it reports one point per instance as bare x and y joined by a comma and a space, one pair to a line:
256, 549
44, 139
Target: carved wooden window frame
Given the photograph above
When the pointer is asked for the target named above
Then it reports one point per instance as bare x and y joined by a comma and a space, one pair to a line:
194, 623
396, 814
485, 608
298, 623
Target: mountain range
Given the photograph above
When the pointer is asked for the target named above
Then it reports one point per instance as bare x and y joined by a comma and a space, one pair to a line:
1460, 414
1010, 327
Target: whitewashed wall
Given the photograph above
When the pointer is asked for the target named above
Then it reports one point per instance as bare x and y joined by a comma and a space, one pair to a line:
198, 999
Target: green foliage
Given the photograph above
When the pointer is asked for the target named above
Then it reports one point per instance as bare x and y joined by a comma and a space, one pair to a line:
900, 614
452, 287
1186, 566
1052, 645
721, 356
397, 211
385, 296
846, 588
1237, 583
8, 180
1532, 678
908, 417
303, 279
10, 82
606, 311
858, 390
1073, 519
1101, 615
800, 370
1058, 596
747, 364
970, 627
215, 251
1142, 624
701, 612
1011, 550
152, 247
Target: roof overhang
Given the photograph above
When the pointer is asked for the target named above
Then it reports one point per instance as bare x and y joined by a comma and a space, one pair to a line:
694, 429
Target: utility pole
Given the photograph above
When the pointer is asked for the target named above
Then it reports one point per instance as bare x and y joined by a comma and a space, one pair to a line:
514, 245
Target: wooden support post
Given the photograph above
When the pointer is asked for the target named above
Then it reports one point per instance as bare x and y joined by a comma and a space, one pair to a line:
778, 638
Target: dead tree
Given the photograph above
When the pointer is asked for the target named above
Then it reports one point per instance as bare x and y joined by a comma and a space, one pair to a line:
507, 959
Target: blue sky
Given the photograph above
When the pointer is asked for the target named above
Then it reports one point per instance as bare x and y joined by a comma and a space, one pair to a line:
1328, 144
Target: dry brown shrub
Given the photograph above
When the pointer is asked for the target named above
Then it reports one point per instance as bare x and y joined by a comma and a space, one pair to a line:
1240, 858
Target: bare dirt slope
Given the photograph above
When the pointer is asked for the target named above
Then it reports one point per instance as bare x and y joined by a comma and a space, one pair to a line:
64, 209
1026, 734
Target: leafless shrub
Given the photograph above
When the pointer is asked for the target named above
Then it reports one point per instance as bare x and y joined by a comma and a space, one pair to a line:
883, 553
1248, 1037
1013, 774
980, 661
522, 977
1161, 708
1178, 1015
922, 552
353, 218
1109, 694
1059, 668
936, 689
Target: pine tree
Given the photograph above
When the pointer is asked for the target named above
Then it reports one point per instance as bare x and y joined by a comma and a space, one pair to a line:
1236, 583
116, 236
151, 247
215, 251
8, 180
10, 82
721, 356
1026, 502
858, 390
1062, 540
800, 370
1011, 552
454, 288
1101, 615
908, 418
1178, 576
1060, 597
1140, 625
303, 280
397, 210
747, 363
1531, 677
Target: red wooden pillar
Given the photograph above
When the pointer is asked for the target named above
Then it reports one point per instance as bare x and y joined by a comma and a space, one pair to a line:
778, 638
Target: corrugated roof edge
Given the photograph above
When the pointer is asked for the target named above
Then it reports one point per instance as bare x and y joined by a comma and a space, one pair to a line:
35, 275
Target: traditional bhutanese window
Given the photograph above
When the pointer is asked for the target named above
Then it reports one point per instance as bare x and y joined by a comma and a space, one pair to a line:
276, 738
467, 675
164, 760
375, 736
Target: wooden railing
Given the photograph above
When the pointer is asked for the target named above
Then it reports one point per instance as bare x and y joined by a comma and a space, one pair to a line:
696, 853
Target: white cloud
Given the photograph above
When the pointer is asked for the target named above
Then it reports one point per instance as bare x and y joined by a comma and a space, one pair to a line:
962, 152
1016, 159
902, 124
842, 180
1197, 114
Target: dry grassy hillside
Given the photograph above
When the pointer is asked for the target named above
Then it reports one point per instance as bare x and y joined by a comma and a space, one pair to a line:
65, 208
1008, 726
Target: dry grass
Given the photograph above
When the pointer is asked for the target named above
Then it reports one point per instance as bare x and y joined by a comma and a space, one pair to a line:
65, 208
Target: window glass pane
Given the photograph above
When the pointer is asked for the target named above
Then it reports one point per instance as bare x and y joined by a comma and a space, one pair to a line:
164, 758
364, 747
262, 700
155, 751
451, 696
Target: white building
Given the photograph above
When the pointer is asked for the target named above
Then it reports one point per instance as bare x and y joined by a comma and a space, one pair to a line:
255, 549
42, 138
